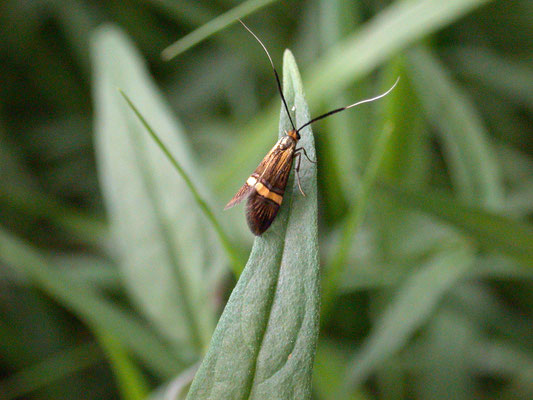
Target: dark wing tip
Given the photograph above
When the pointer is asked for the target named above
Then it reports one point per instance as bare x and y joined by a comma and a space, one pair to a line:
260, 212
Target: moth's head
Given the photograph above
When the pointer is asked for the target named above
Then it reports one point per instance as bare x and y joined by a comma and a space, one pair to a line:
294, 134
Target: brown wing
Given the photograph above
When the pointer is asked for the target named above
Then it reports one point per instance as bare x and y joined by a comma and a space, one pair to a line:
273, 171
271, 178
244, 191
266, 186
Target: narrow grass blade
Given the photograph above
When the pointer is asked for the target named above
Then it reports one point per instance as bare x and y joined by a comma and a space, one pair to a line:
130, 380
509, 77
445, 354
500, 268
95, 271
353, 222
328, 377
89, 306
411, 307
178, 387
491, 231
340, 167
379, 39
264, 344
231, 251
408, 156
191, 13
168, 253
52, 369
228, 18
502, 358
473, 166
21, 193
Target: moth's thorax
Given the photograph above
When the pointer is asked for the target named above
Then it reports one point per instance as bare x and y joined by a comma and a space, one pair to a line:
286, 141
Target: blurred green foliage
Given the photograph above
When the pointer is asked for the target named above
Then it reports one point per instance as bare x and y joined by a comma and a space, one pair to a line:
426, 236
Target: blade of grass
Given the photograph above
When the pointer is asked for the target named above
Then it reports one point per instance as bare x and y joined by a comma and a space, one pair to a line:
379, 39
477, 300
490, 230
178, 387
219, 23
94, 271
502, 357
130, 380
340, 167
445, 354
353, 222
90, 270
414, 302
52, 369
500, 268
507, 76
473, 166
191, 13
233, 254
87, 228
89, 306
408, 156
330, 365
264, 344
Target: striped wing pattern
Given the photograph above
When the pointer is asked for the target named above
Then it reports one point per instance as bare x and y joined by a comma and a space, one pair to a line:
266, 186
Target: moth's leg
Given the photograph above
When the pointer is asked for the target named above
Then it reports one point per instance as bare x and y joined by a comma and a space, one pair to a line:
297, 151
297, 170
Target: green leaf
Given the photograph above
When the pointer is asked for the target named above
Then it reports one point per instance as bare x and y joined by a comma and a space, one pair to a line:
212, 27
416, 299
168, 254
473, 165
88, 305
264, 344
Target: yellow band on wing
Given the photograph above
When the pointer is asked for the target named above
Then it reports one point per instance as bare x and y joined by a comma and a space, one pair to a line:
264, 191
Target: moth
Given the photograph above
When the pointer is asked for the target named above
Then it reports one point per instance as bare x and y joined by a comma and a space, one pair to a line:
265, 187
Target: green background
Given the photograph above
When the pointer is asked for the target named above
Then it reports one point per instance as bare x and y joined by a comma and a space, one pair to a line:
425, 197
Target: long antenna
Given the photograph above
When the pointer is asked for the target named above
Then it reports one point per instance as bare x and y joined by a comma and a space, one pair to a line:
350, 106
275, 73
